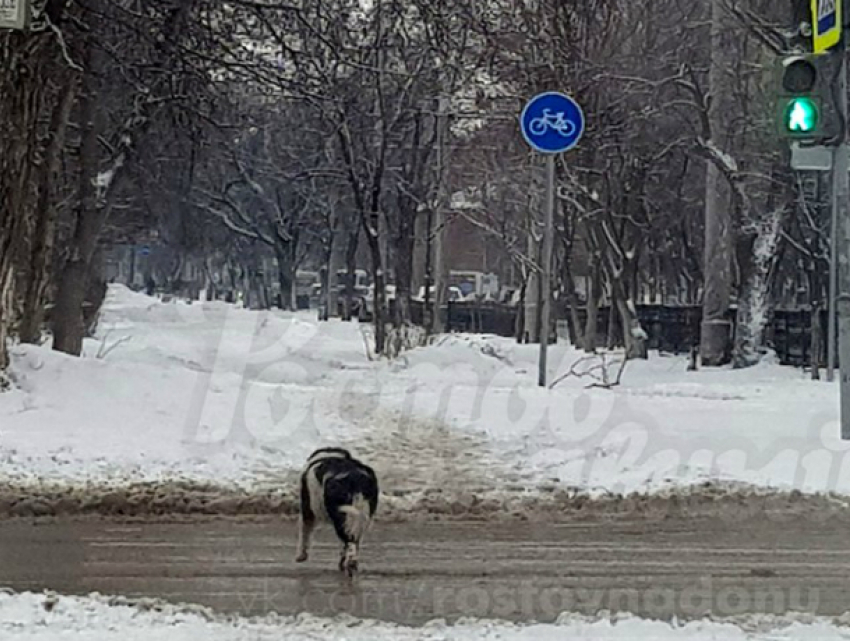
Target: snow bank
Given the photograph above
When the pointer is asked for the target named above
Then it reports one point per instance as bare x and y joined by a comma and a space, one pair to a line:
663, 428
31, 617
214, 398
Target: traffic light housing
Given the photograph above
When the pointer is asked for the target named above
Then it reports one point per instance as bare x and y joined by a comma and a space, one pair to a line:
808, 104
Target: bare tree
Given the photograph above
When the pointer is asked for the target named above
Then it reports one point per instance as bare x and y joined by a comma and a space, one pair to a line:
27, 157
155, 57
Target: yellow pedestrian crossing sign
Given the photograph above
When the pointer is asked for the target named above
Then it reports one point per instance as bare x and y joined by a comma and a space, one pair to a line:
826, 24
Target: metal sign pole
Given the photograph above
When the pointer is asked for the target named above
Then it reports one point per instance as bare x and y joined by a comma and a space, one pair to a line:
833, 276
841, 204
546, 275
828, 33
551, 123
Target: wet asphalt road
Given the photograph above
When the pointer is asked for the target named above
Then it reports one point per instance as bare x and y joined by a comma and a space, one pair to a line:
412, 573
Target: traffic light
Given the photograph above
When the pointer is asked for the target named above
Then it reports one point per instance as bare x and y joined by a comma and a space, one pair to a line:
808, 105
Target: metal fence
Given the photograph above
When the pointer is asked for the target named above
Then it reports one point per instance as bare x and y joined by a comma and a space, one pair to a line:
672, 329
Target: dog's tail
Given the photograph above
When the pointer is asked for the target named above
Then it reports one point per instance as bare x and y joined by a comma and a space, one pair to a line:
358, 517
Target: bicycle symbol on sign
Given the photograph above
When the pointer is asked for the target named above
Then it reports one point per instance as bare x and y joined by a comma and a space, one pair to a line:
548, 120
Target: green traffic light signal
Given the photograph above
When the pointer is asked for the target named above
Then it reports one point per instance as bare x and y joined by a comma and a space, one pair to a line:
801, 116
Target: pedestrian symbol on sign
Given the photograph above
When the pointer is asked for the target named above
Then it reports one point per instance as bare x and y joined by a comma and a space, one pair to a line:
826, 24
826, 15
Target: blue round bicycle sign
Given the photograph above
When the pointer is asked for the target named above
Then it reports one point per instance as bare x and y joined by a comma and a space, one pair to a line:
552, 122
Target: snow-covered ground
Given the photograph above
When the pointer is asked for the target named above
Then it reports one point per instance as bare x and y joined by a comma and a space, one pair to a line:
31, 617
216, 394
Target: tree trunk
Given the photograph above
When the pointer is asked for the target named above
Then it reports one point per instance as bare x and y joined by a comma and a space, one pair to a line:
90, 214
520, 311
7, 297
285, 276
532, 294
571, 299
716, 330
439, 269
352, 243
428, 310
542, 333
97, 188
210, 284
380, 292
331, 279
591, 326
757, 258
815, 345
634, 335
175, 277
96, 289
613, 338
24, 61
233, 274
532, 306
403, 256
67, 316
384, 243
262, 292
45, 225
623, 290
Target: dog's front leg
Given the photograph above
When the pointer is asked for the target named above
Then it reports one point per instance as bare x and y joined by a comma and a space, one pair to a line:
306, 523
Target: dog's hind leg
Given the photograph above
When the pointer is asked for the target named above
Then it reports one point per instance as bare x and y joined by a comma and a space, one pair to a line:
351, 523
349, 563
342, 521
305, 534
342, 557
306, 524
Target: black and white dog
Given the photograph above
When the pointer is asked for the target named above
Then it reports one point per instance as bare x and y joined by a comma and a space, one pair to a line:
338, 488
